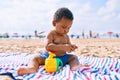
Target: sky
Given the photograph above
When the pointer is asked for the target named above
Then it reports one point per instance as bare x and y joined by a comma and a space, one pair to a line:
26, 16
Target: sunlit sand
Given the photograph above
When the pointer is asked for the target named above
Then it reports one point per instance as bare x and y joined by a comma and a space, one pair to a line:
86, 47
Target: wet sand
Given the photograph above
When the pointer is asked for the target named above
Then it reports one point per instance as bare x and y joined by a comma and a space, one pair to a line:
86, 47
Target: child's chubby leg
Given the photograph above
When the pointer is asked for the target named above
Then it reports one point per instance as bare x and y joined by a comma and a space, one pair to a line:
74, 63
32, 66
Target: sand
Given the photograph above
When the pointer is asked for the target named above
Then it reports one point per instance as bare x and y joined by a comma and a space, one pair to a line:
86, 47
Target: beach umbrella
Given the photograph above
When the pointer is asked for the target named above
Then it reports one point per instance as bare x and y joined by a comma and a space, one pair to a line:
110, 33
41, 32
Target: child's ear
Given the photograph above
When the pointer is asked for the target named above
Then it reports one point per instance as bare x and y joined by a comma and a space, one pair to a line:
54, 23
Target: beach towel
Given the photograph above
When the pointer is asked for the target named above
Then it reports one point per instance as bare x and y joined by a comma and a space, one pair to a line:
99, 68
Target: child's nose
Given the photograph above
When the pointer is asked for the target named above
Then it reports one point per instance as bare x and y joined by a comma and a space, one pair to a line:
65, 31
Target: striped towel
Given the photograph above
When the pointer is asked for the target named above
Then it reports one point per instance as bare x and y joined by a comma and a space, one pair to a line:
99, 69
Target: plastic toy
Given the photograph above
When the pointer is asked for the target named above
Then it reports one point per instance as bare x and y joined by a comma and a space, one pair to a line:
52, 64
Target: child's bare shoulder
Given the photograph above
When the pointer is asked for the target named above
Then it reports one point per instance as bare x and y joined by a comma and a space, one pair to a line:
52, 32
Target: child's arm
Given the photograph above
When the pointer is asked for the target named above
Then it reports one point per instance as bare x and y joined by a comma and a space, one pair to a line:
59, 47
50, 46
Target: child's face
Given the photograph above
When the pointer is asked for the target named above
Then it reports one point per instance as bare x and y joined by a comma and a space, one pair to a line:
62, 26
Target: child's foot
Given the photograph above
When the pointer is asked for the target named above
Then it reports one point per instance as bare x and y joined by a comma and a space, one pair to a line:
23, 71
78, 66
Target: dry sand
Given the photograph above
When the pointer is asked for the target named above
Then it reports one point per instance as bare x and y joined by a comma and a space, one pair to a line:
86, 47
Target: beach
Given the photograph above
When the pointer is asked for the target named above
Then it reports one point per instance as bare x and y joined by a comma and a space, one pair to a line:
107, 47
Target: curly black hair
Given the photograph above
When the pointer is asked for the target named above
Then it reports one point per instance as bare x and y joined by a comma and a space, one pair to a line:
63, 12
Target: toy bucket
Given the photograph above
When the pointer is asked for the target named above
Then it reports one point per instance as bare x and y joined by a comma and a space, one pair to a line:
53, 64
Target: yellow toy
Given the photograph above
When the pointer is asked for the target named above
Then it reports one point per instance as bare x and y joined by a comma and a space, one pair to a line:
52, 64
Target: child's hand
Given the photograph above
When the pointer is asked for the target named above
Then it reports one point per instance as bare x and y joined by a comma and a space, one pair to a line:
74, 46
70, 48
